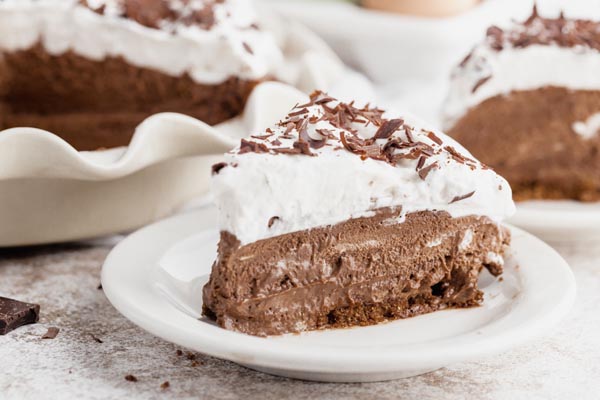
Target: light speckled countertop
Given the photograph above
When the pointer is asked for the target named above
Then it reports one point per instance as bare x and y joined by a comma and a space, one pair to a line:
64, 280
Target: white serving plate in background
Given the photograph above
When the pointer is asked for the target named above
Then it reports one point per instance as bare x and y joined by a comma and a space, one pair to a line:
559, 221
155, 277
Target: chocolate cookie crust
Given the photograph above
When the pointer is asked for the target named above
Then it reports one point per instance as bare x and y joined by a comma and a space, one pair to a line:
528, 137
360, 272
94, 104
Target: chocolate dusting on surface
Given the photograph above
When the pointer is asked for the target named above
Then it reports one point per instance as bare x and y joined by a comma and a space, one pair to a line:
459, 198
334, 276
131, 378
537, 30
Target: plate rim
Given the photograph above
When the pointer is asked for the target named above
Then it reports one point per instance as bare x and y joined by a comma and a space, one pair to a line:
226, 345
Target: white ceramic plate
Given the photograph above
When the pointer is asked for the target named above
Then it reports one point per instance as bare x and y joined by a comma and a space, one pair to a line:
155, 277
559, 220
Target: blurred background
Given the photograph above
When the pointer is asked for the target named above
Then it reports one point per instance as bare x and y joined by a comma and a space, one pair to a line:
409, 47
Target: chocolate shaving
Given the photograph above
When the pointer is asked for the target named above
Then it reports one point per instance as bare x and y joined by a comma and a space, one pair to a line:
130, 378
272, 221
423, 172
261, 137
457, 156
324, 100
388, 128
480, 83
218, 167
248, 48
286, 150
408, 133
51, 333
326, 133
459, 198
421, 162
299, 112
165, 385
303, 147
247, 146
434, 137
537, 30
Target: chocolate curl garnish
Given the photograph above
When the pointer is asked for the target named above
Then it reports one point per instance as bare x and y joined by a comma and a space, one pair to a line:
272, 221
480, 83
262, 137
534, 15
299, 112
218, 167
248, 48
348, 145
305, 137
496, 35
303, 147
423, 172
545, 31
326, 133
421, 162
434, 138
408, 133
459, 198
457, 156
247, 146
388, 128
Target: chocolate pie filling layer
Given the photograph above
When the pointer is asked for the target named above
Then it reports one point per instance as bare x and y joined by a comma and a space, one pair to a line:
359, 272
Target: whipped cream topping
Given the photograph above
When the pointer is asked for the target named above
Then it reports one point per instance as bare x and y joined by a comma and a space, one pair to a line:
328, 161
540, 52
211, 44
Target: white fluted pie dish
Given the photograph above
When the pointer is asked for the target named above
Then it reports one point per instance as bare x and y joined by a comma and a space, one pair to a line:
50, 192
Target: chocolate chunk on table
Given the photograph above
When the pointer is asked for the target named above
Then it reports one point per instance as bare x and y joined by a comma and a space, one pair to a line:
14, 313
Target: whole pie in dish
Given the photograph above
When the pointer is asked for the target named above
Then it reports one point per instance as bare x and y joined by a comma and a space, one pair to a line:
92, 70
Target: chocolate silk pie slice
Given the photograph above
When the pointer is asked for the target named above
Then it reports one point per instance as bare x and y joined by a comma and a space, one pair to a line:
343, 216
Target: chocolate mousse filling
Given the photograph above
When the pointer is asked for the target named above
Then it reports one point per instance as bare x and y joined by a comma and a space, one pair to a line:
359, 272
98, 103
544, 142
